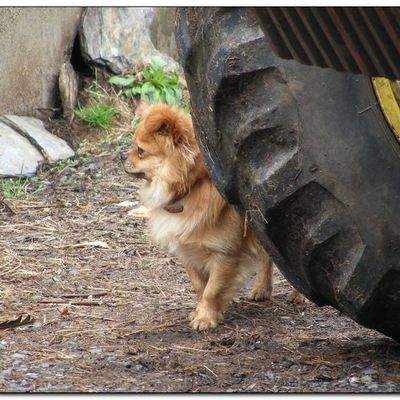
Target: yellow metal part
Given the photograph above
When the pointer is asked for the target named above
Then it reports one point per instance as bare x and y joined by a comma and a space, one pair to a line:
388, 94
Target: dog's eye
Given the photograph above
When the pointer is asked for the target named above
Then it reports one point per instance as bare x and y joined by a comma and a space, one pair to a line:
140, 151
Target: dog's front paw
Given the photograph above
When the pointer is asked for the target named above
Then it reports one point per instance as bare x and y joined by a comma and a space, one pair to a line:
192, 315
260, 294
201, 324
201, 320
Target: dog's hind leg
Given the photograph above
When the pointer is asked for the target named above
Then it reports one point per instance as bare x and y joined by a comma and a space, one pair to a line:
262, 289
296, 297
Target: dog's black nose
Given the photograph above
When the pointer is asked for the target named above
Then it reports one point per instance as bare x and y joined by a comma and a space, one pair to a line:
123, 156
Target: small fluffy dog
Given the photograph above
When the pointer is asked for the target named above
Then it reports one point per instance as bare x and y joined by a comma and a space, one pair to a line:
189, 217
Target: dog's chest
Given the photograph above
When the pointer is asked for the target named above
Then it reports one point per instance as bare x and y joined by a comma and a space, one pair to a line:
170, 229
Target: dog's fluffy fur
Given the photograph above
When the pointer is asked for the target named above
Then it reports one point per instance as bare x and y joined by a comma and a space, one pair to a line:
189, 216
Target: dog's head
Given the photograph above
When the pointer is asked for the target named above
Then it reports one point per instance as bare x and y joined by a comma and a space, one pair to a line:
163, 153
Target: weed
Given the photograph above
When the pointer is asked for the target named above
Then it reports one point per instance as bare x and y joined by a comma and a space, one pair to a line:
95, 89
85, 150
60, 165
21, 187
115, 141
97, 115
153, 84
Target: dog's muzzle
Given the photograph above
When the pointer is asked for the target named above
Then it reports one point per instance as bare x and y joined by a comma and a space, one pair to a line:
123, 156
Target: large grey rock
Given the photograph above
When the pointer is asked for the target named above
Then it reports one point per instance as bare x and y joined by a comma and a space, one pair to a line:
17, 155
35, 42
50, 146
119, 38
162, 31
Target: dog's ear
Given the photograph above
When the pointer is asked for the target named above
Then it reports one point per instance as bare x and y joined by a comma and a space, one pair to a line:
165, 121
163, 129
158, 123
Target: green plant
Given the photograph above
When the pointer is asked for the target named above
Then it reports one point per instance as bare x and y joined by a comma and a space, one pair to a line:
97, 115
21, 187
60, 165
154, 84
95, 89
114, 141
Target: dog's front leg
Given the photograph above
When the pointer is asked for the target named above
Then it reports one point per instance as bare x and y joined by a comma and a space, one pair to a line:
198, 278
223, 282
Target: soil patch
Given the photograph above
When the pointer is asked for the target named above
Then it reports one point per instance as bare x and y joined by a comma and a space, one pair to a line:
112, 315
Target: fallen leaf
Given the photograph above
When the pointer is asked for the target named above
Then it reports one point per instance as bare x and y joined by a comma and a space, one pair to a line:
63, 311
141, 211
17, 322
127, 203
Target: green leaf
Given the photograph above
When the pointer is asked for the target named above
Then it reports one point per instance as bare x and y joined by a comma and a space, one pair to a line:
132, 92
147, 92
170, 96
157, 98
122, 81
174, 81
178, 93
147, 87
136, 90
146, 75
127, 93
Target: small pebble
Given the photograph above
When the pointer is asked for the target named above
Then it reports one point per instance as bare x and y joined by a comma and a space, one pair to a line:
6, 372
21, 354
366, 379
373, 386
139, 367
354, 380
269, 375
96, 350
73, 271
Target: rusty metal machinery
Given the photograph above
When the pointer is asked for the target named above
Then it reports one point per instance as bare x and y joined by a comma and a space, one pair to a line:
362, 40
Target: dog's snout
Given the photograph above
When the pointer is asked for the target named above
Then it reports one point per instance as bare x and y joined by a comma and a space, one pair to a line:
123, 156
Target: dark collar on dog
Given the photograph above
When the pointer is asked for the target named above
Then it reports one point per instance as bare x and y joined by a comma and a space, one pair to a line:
171, 207
174, 209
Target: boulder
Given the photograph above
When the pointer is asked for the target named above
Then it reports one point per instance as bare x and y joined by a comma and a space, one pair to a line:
35, 42
119, 38
52, 147
162, 31
17, 155
25, 144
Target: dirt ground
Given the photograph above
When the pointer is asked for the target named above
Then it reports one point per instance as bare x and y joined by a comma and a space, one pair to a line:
111, 316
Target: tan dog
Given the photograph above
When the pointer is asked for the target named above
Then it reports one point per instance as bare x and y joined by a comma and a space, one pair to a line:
189, 217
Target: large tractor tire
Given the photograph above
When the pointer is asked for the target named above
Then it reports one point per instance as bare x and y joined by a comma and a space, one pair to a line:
306, 155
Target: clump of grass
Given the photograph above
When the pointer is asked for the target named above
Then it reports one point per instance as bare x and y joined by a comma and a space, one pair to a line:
96, 90
21, 187
153, 84
97, 115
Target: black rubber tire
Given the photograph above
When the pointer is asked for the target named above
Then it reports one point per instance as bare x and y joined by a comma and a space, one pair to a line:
306, 154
